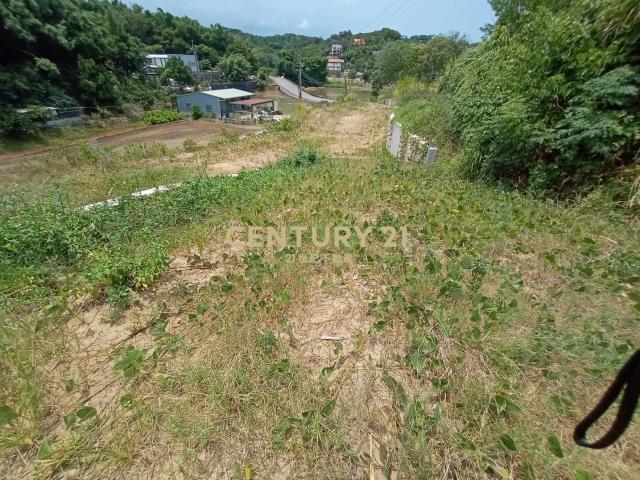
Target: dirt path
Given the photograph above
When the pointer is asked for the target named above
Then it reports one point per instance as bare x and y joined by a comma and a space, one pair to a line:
291, 89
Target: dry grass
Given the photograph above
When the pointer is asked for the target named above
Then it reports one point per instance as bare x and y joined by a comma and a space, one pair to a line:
504, 318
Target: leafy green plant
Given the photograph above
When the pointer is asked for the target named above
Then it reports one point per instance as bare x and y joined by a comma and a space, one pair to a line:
310, 425
7, 415
155, 117
129, 361
196, 114
83, 414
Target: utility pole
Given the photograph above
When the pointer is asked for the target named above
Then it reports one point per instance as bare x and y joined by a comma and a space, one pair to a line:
195, 53
345, 81
300, 80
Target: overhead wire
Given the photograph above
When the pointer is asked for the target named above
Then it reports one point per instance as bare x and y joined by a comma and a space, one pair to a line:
394, 13
381, 14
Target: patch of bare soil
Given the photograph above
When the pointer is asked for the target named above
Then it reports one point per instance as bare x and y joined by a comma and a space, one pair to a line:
98, 330
330, 329
360, 128
174, 134
250, 161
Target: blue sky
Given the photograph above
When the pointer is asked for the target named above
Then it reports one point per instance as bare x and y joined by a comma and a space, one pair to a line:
322, 18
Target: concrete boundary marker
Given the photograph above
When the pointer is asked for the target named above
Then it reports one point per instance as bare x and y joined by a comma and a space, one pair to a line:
408, 146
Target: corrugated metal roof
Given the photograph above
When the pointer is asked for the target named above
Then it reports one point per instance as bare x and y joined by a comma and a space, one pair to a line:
252, 101
228, 93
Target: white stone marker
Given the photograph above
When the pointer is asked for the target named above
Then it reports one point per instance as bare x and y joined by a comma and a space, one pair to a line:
432, 154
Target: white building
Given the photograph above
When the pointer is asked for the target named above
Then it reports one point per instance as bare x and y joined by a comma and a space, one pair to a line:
336, 49
155, 61
335, 64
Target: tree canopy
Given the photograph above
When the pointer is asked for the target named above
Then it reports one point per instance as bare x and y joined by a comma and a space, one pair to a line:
236, 67
175, 70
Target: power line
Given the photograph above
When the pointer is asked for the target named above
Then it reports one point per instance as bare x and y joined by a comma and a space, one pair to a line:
395, 12
381, 14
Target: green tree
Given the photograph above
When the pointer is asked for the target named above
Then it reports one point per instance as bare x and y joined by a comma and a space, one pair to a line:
235, 67
264, 77
175, 69
314, 70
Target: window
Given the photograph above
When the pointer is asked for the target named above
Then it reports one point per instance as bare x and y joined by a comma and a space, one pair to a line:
208, 108
187, 106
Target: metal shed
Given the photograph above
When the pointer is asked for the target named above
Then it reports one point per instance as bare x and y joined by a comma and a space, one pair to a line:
213, 103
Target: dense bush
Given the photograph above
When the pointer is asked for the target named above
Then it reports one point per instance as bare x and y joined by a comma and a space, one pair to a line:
284, 125
424, 112
303, 157
23, 124
155, 117
551, 99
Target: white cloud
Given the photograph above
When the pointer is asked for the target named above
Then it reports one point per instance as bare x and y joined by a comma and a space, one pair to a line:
304, 24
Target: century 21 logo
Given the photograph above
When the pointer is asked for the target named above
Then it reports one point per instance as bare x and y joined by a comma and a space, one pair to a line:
271, 237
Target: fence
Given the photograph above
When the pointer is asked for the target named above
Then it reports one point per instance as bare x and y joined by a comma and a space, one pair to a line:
407, 146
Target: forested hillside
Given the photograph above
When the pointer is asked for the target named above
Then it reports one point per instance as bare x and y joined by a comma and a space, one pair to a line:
77, 53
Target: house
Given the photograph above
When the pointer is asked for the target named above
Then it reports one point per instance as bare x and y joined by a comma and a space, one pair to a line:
335, 64
358, 42
155, 61
213, 103
336, 49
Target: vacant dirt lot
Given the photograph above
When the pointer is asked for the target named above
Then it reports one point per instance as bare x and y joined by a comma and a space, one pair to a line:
175, 133
170, 134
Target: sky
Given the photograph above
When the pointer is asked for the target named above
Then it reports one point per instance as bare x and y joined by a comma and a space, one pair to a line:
323, 18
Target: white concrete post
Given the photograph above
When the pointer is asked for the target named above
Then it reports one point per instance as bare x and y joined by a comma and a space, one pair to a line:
432, 154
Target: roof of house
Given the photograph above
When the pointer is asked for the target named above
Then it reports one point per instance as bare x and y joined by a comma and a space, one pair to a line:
335, 60
252, 101
225, 93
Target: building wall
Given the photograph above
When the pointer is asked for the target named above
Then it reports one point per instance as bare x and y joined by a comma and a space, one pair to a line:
209, 105
159, 62
188, 60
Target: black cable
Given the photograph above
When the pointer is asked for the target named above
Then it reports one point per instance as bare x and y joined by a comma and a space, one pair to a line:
629, 377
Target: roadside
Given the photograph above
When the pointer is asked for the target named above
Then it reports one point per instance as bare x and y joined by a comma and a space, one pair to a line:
289, 88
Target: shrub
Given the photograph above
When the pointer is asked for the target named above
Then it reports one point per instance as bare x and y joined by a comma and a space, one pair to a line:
303, 157
348, 98
23, 124
189, 145
155, 117
196, 114
551, 98
429, 116
284, 125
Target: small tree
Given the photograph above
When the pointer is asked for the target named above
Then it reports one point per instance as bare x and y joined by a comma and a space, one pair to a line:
264, 74
235, 67
195, 112
176, 70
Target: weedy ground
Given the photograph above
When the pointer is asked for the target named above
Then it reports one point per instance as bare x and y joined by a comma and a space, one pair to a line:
137, 343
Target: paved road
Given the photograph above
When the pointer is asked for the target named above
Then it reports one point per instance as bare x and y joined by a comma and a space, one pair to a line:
289, 88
